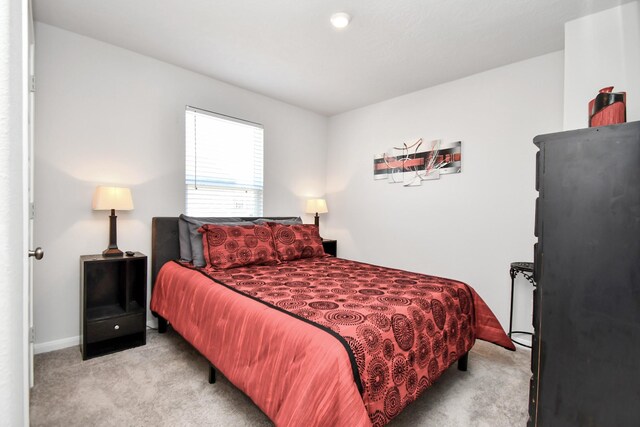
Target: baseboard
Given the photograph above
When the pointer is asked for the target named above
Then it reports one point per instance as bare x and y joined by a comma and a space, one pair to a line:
45, 347
526, 341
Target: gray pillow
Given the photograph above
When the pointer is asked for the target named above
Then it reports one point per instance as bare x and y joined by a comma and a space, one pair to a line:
191, 240
288, 221
185, 240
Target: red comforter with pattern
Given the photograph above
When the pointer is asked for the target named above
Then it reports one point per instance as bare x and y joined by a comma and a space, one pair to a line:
325, 341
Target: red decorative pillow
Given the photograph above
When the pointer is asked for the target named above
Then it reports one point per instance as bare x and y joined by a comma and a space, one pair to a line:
296, 241
228, 246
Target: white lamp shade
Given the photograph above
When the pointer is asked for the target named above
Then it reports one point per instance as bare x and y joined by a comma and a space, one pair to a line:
317, 205
107, 198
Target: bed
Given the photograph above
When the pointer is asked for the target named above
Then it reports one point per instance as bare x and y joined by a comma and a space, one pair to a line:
319, 340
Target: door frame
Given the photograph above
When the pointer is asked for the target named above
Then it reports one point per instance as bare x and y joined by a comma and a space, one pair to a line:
14, 338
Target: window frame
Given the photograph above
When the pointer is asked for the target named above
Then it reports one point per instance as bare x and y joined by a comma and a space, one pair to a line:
191, 180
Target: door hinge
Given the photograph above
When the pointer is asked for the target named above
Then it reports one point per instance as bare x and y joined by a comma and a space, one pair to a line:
32, 335
32, 83
32, 210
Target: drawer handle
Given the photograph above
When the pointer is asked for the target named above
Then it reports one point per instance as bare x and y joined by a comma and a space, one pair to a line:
116, 327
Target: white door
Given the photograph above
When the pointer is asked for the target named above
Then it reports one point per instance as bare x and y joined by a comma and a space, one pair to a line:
35, 253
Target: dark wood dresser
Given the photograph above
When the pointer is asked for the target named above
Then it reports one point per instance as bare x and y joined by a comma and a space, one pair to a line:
586, 345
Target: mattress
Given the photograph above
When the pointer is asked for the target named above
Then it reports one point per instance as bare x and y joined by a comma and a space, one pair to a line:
325, 341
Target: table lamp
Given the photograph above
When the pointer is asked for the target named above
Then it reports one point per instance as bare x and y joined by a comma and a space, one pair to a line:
112, 198
317, 206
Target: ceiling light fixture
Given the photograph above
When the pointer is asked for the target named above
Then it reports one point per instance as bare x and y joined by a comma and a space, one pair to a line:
340, 19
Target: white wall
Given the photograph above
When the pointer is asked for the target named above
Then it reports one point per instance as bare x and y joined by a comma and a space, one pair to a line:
110, 116
602, 50
468, 226
13, 356
105, 115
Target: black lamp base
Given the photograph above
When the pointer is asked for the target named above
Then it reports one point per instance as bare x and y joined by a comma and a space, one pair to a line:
110, 252
317, 222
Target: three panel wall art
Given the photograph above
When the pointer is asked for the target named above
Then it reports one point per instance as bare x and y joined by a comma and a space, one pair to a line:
411, 164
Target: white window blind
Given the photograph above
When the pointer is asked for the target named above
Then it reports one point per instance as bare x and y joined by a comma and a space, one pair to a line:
224, 165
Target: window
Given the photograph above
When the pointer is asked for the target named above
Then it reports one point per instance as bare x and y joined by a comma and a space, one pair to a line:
223, 165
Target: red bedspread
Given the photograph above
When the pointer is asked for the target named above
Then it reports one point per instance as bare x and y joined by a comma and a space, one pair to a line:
326, 341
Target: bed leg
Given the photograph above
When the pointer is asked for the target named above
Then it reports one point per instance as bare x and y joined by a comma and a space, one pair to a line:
212, 374
162, 325
462, 362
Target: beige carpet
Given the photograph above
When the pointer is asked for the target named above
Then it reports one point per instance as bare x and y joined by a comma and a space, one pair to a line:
165, 384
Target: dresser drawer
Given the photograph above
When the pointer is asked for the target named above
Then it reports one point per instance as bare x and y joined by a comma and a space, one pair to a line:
101, 330
538, 172
537, 259
537, 229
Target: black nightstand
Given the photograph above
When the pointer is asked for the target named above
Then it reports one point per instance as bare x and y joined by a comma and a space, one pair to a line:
113, 303
330, 246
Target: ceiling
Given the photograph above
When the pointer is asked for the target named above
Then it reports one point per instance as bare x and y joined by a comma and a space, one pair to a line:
287, 49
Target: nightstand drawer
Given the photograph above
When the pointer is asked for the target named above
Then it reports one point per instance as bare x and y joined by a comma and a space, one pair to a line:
115, 327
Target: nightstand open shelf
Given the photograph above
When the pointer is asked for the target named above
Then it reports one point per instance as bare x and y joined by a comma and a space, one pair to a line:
104, 312
330, 246
113, 303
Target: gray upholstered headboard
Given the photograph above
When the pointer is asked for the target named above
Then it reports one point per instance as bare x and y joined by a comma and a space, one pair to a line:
165, 241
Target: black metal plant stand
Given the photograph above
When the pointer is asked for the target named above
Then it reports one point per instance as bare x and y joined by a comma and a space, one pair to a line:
526, 269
